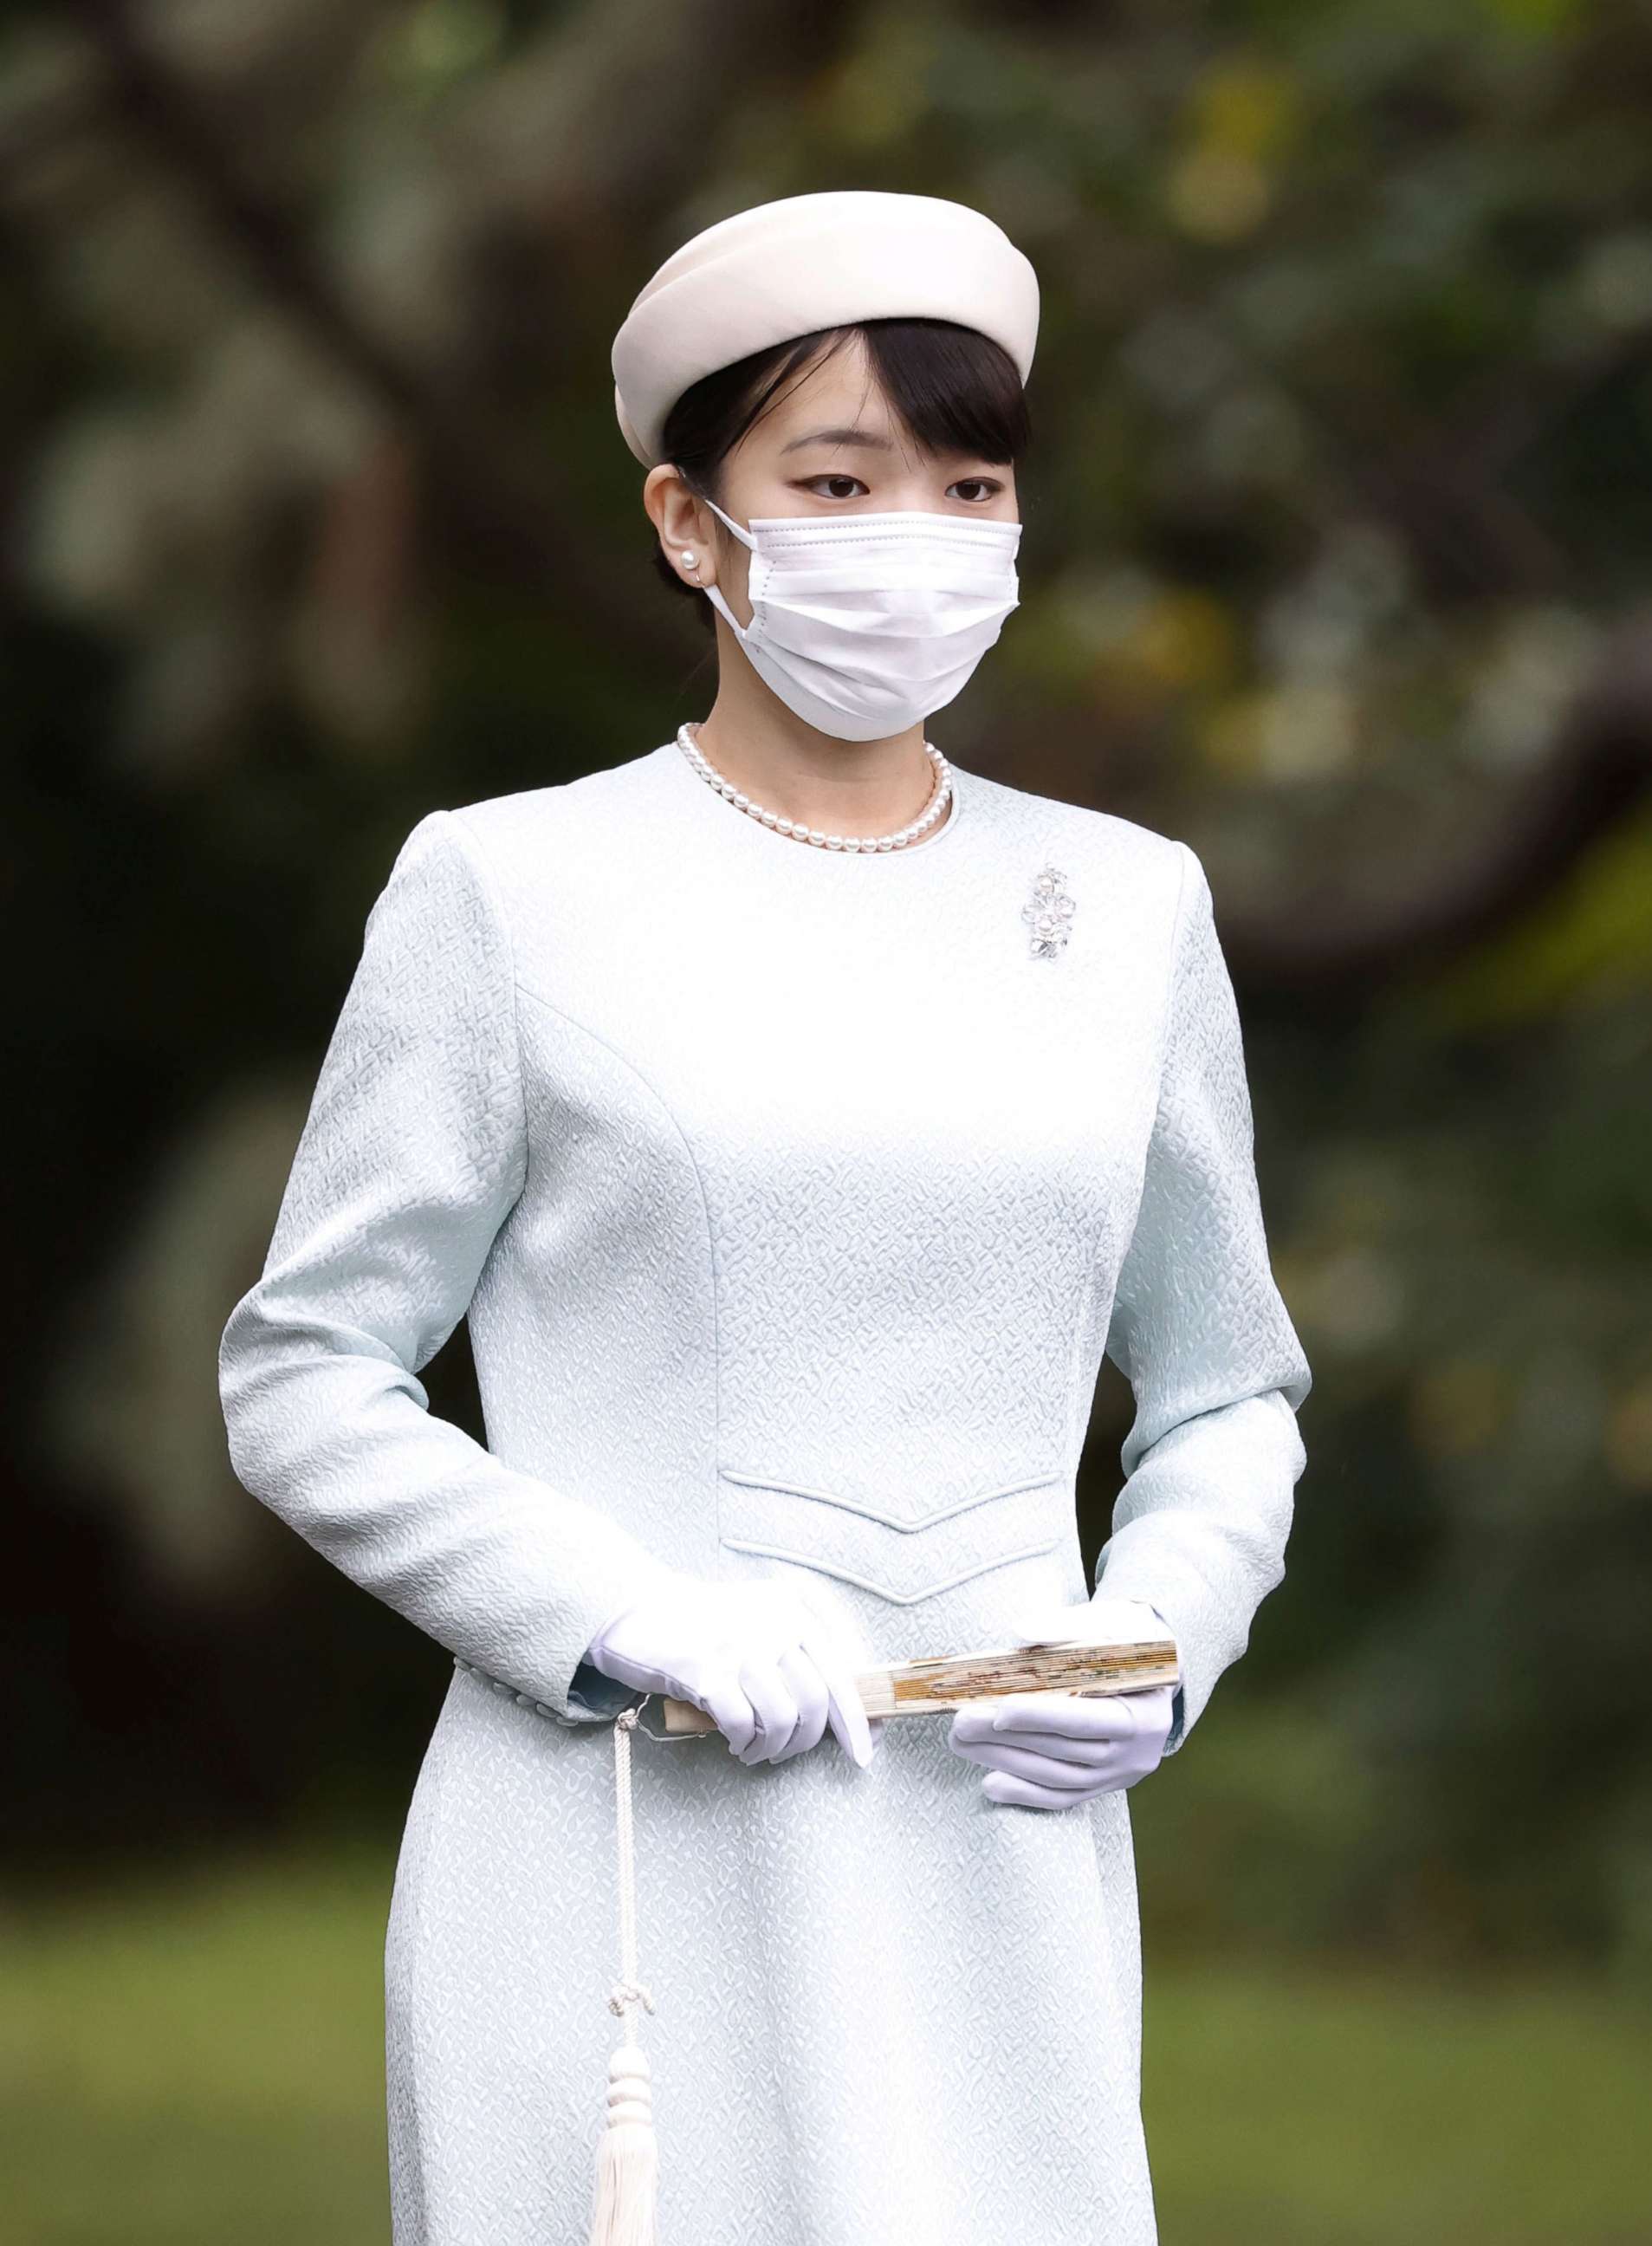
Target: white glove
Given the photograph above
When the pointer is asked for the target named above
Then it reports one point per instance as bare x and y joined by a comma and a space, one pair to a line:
1054, 1750
769, 1669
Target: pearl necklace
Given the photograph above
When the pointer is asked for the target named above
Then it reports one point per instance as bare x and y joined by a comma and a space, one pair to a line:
798, 831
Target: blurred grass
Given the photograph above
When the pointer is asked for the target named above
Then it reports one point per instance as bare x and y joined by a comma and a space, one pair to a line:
1355, 2109
200, 2057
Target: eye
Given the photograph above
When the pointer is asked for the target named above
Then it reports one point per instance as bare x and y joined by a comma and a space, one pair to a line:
986, 487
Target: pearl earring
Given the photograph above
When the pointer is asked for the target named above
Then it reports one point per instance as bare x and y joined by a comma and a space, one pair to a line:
690, 563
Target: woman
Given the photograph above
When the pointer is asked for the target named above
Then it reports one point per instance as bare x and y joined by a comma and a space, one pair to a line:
797, 1118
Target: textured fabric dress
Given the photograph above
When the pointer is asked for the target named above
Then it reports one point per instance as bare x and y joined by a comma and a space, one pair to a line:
793, 1202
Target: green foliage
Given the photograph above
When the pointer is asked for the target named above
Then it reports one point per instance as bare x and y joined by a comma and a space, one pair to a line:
1338, 529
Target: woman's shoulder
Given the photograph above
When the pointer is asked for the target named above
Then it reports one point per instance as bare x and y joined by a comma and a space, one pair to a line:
1094, 839
569, 813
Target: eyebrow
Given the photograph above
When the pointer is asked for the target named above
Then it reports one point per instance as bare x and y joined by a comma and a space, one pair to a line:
865, 437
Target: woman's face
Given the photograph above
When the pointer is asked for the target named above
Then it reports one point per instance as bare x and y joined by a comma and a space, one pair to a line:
830, 445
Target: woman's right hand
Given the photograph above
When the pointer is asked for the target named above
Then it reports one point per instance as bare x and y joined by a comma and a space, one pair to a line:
769, 1669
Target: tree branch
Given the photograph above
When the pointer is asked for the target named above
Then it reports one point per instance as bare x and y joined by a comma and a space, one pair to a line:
510, 518
1598, 772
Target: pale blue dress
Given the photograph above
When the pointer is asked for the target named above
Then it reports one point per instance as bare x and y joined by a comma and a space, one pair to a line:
792, 1201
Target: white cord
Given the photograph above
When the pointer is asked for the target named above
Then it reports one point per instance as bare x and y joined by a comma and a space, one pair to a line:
627, 1989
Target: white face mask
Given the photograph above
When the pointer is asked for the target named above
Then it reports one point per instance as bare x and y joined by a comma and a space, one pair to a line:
864, 624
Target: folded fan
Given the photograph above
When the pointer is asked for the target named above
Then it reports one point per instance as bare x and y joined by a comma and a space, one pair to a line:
1077, 1665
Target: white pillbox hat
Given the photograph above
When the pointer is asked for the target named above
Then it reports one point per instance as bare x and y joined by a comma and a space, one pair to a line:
785, 268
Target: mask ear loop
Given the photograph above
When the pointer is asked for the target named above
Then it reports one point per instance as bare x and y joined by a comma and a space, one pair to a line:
741, 633
744, 536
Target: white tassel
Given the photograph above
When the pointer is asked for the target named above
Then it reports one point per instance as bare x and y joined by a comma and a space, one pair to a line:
625, 2207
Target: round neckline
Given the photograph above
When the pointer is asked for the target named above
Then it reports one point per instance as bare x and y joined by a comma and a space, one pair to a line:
760, 833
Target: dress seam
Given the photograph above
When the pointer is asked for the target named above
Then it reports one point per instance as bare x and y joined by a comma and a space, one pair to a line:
1161, 1069
526, 990
1173, 981
1167, 1015
475, 851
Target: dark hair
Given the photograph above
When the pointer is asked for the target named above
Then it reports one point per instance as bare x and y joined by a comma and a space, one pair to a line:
950, 387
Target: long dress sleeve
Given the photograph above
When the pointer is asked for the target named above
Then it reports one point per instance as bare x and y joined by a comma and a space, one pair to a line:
413, 1156
1200, 1330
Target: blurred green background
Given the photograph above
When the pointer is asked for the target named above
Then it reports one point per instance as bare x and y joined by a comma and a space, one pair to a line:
316, 517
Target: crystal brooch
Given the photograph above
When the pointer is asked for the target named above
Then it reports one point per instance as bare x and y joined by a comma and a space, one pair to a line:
1049, 913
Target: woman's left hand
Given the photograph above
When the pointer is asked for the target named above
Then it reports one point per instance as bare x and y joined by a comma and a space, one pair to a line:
1054, 1750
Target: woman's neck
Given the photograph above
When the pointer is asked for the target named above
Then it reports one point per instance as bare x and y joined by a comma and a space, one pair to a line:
793, 769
